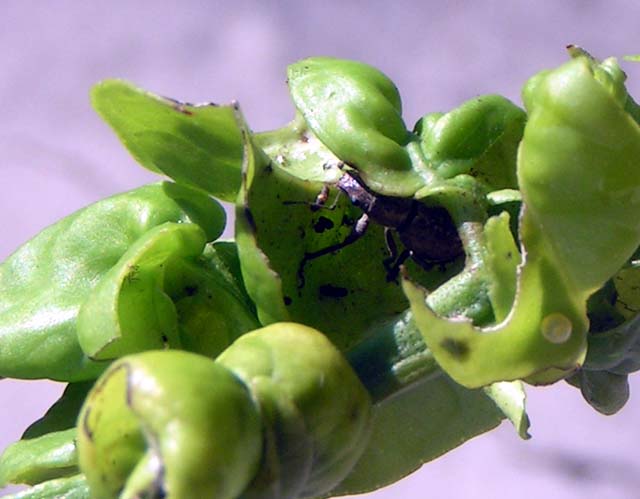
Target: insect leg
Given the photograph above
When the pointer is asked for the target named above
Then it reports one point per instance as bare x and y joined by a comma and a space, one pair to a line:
393, 262
320, 201
393, 267
392, 247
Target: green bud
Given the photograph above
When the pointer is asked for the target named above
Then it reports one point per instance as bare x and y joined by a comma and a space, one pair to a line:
169, 423
317, 413
478, 138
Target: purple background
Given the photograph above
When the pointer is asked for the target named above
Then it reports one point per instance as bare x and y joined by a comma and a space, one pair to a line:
57, 156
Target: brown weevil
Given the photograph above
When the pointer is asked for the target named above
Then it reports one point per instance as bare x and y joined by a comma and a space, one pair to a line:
427, 233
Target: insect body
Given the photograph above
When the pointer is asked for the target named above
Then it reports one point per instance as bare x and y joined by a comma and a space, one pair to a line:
426, 232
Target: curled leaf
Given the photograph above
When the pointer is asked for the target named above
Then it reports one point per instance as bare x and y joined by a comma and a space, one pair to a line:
355, 110
316, 411
577, 161
169, 423
510, 397
164, 292
128, 311
44, 283
279, 415
479, 138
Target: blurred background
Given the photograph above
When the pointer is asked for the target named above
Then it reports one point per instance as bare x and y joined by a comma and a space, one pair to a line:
56, 156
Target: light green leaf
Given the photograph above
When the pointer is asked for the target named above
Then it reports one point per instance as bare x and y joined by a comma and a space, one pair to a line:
44, 283
479, 138
171, 421
510, 398
196, 145
73, 487
35, 460
164, 293
355, 110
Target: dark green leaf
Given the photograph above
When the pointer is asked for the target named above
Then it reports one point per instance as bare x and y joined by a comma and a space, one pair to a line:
343, 293
63, 414
605, 391
417, 426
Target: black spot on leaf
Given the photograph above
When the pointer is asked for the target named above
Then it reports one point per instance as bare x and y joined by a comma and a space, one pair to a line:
323, 224
331, 291
458, 349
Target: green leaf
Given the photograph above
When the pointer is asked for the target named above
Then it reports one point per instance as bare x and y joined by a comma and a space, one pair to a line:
35, 460
212, 305
73, 487
262, 283
579, 176
296, 149
510, 397
605, 391
316, 412
579, 154
128, 311
355, 110
44, 283
63, 414
418, 425
616, 350
413, 394
614, 344
160, 294
169, 421
627, 298
543, 335
196, 145
350, 286
479, 138
223, 256
502, 261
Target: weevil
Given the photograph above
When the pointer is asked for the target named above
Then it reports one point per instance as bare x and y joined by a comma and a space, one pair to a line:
427, 233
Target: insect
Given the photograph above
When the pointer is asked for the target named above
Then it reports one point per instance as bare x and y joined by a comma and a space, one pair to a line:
426, 232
